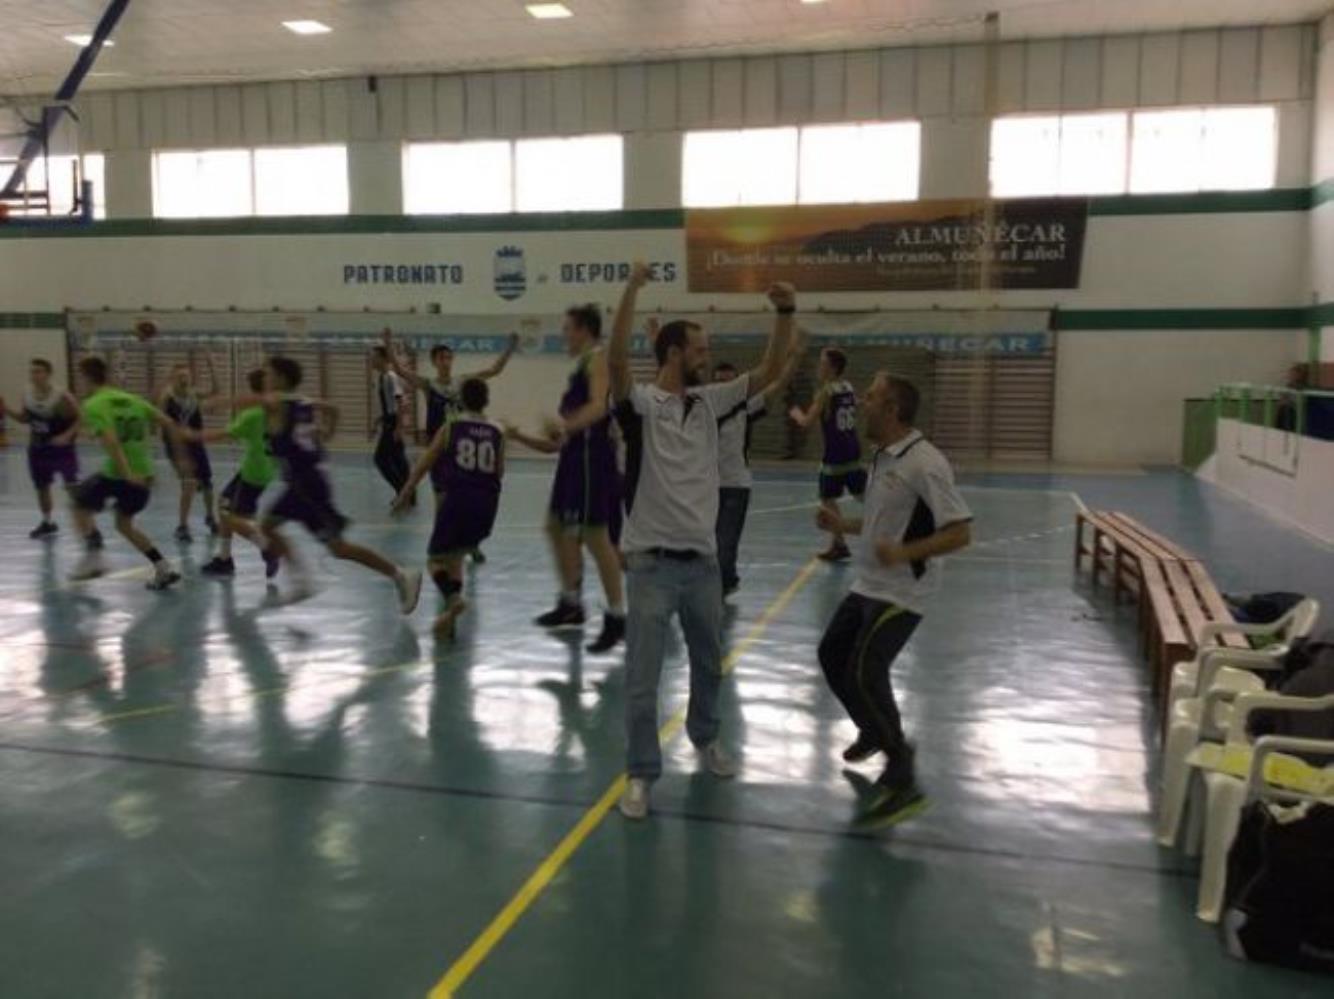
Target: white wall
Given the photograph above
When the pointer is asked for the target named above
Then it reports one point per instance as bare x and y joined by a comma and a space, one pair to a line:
654, 102
1321, 258
1119, 394
1298, 494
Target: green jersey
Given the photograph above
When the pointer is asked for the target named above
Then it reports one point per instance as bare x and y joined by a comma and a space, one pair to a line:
131, 419
251, 428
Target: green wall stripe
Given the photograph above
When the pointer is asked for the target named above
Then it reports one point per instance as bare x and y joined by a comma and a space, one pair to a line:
1179, 319
32, 320
1280, 199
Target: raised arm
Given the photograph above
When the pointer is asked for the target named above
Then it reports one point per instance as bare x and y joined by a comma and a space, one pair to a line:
784, 299
618, 351
414, 380
500, 363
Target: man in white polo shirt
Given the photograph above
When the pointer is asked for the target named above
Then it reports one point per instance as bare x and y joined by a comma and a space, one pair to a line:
671, 432
913, 514
734, 478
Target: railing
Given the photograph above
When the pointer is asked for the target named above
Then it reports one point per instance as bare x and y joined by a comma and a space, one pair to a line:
1275, 407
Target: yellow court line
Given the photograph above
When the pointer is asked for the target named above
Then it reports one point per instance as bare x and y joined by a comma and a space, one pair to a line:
478, 951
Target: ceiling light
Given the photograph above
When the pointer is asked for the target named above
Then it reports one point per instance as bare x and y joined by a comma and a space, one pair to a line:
307, 27
812, 1
83, 41
549, 11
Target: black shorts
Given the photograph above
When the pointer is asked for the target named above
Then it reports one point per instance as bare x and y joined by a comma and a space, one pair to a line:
193, 465
310, 503
129, 497
240, 498
834, 485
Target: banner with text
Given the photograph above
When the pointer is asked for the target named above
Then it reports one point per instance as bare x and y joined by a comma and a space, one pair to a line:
917, 246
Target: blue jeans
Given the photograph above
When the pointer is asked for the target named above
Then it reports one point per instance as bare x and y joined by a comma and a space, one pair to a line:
658, 588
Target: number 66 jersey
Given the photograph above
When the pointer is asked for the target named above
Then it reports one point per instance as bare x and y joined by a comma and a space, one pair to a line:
469, 469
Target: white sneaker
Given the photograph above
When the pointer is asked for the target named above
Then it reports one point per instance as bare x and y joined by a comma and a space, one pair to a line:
634, 801
717, 760
89, 567
409, 583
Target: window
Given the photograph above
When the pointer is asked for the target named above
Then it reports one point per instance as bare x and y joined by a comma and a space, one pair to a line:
448, 178
1069, 154
1204, 149
214, 183
569, 175
755, 166
1175, 149
303, 180
60, 188
532, 175
818, 164
857, 163
227, 183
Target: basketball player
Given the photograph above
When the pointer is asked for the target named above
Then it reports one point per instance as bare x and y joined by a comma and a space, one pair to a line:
442, 394
123, 422
182, 403
734, 478
835, 405
467, 458
913, 515
239, 503
52, 416
584, 494
296, 441
391, 421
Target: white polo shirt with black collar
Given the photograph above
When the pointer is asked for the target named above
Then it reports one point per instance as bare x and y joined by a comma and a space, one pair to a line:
672, 464
734, 442
910, 494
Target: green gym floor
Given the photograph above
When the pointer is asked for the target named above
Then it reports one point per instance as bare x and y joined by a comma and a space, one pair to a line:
200, 798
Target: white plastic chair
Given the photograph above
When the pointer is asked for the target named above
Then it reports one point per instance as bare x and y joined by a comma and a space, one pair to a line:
1193, 720
1188, 679
1269, 777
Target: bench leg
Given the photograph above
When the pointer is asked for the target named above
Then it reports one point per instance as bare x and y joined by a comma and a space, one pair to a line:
1097, 555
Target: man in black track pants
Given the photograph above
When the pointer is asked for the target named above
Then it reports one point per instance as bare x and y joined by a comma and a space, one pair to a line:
392, 421
913, 514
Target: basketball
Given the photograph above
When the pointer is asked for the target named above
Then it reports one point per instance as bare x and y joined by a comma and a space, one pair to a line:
145, 330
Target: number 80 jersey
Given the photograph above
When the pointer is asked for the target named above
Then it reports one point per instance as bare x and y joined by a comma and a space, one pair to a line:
472, 453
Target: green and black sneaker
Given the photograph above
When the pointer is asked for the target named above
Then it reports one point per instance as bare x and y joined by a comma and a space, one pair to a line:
892, 806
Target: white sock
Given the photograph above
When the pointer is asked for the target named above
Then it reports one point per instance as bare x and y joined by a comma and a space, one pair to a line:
617, 609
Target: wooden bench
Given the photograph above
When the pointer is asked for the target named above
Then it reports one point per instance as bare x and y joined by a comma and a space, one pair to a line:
1176, 595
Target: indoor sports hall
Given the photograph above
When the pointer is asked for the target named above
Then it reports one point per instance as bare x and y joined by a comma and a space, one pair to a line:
1075, 254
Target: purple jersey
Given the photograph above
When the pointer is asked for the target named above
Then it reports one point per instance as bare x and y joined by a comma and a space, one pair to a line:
838, 420
295, 441
577, 395
471, 459
46, 418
